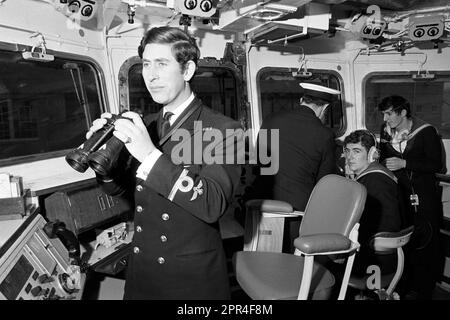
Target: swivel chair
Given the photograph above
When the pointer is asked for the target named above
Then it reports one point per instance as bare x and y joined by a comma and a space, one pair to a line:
329, 227
384, 243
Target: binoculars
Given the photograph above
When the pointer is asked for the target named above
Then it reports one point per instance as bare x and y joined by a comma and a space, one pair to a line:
100, 151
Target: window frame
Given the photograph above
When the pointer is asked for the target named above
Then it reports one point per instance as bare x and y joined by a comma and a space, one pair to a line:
339, 132
100, 84
208, 62
392, 73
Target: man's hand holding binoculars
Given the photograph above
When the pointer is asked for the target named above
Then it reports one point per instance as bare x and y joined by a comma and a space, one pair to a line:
132, 133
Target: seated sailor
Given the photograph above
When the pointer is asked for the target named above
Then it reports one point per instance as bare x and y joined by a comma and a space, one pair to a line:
382, 209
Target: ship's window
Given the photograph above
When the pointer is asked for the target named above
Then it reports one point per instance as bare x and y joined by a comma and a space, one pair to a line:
429, 99
279, 90
215, 86
45, 107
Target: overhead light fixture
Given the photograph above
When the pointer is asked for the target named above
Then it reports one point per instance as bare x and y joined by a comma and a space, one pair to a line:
270, 11
266, 14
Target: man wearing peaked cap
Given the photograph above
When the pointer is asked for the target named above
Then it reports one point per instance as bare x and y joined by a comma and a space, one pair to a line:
320, 91
318, 98
306, 153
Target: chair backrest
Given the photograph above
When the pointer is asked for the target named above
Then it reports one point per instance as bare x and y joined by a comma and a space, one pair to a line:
335, 206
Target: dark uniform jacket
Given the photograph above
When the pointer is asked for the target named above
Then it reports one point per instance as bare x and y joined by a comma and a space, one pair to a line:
423, 155
382, 210
381, 214
424, 158
306, 154
178, 251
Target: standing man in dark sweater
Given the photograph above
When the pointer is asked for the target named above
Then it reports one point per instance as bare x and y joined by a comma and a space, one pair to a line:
306, 153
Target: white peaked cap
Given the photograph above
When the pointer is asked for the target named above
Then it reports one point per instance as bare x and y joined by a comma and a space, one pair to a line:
318, 91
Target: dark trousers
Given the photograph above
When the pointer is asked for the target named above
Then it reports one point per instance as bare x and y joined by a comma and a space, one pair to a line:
424, 260
291, 228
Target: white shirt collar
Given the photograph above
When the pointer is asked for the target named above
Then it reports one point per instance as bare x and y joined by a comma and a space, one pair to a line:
179, 110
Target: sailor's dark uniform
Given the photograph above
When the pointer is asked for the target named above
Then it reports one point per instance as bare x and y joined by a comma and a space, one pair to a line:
381, 214
177, 246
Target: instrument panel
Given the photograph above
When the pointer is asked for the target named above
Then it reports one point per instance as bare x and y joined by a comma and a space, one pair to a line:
35, 267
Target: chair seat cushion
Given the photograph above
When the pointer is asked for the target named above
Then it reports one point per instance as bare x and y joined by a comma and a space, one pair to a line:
277, 276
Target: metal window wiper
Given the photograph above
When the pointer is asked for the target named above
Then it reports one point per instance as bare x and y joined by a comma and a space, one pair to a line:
79, 89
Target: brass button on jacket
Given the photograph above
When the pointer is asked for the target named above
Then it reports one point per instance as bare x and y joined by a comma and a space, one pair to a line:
161, 260
165, 216
139, 209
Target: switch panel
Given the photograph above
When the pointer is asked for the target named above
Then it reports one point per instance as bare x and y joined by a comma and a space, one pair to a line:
35, 267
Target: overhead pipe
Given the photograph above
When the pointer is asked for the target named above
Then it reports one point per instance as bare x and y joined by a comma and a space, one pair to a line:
406, 14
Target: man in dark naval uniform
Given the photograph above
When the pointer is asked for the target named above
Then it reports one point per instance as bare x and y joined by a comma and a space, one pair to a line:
382, 209
306, 153
412, 149
182, 182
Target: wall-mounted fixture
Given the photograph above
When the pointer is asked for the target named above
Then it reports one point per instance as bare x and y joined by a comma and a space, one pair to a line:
131, 11
38, 55
81, 10
418, 26
426, 28
196, 8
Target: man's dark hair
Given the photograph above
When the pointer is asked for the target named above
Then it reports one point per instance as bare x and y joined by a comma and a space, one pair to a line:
184, 47
366, 138
397, 103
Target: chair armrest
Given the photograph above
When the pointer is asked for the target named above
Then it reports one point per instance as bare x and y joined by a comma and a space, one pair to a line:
325, 243
283, 214
265, 205
273, 208
386, 241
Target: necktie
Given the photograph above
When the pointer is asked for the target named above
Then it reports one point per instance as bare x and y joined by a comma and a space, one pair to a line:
165, 124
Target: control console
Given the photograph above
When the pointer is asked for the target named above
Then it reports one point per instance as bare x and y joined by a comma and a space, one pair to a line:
36, 267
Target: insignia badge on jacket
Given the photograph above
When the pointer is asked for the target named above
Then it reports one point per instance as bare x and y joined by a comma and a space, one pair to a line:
186, 184
197, 190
